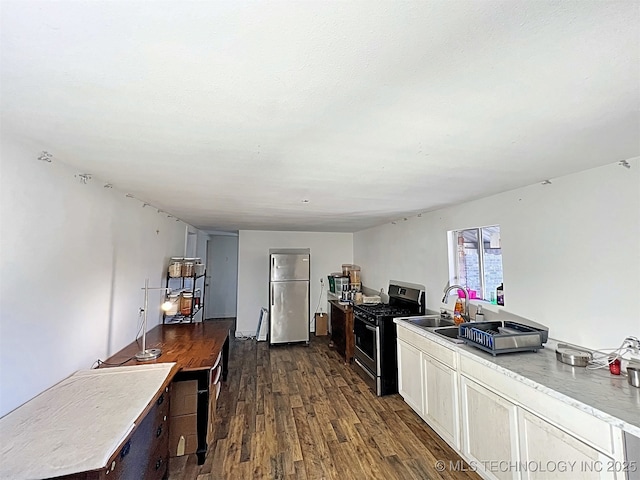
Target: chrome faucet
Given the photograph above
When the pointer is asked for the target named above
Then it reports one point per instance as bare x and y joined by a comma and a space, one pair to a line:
465, 313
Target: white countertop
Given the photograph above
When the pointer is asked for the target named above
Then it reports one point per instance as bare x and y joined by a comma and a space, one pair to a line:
76, 425
597, 392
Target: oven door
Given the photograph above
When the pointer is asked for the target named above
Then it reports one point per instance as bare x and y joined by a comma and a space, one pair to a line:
367, 345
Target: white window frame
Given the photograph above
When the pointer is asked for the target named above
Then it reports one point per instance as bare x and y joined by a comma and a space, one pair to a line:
454, 262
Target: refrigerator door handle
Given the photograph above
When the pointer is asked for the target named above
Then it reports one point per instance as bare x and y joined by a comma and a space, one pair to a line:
272, 299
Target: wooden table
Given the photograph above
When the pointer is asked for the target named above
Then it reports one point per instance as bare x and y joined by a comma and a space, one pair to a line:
195, 347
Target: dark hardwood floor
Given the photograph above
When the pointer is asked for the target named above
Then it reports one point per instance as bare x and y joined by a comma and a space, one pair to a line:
297, 412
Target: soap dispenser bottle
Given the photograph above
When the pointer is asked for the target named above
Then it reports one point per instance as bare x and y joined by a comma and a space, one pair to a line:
457, 312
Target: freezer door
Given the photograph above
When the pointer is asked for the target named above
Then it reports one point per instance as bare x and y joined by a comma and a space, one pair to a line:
289, 312
289, 267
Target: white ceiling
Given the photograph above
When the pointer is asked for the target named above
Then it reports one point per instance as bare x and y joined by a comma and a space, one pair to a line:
230, 114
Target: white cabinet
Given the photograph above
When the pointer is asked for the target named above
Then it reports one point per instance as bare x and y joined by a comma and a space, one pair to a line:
489, 431
428, 382
410, 376
504, 428
552, 453
441, 399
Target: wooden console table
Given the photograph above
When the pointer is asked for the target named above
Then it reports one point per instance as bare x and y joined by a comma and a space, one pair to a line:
194, 347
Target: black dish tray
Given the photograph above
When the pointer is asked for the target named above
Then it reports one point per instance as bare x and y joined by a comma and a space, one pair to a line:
502, 336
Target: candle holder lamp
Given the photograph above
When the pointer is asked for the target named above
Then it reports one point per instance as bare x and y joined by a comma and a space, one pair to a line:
148, 354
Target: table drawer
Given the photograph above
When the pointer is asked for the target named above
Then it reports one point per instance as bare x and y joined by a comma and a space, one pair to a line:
150, 436
158, 461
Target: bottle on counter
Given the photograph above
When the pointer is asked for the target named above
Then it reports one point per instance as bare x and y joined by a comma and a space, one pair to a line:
457, 312
500, 295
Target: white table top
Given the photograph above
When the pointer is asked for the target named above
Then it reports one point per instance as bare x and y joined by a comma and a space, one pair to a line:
77, 424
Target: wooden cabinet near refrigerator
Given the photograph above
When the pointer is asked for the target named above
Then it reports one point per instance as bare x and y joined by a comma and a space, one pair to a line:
341, 317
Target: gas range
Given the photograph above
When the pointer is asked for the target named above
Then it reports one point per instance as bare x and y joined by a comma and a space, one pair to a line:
378, 312
375, 335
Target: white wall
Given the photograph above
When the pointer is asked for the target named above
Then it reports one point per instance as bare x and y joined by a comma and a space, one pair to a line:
328, 252
571, 253
73, 261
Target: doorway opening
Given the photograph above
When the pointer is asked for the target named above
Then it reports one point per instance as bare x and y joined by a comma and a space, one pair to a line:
222, 277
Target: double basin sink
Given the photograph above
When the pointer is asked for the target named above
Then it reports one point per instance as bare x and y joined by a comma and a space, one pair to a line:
438, 325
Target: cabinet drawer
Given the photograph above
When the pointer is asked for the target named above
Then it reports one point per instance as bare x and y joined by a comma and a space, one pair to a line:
584, 426
163, 405
550, 445
437, 351
151, 435
158, 461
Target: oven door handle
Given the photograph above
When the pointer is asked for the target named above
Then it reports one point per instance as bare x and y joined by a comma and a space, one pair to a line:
369, 327
364, 369
365, 354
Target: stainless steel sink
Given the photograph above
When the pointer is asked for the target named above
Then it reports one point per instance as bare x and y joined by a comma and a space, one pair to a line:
430, 321
450, 333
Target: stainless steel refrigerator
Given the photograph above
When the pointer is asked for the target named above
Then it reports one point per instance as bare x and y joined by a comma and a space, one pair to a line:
289, 295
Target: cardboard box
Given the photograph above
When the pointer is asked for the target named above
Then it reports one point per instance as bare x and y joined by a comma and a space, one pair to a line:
184, 398
183, 435
321, 324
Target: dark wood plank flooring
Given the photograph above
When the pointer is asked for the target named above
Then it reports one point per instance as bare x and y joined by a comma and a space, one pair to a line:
297, 412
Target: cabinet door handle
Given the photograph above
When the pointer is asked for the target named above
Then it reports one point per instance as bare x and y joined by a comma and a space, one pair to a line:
159, 431
159, 463
161, 399
125, 449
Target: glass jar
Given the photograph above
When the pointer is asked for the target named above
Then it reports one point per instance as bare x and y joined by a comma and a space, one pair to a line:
199, 269
185, 303
175, 267
188, 267
354, 274
174, 305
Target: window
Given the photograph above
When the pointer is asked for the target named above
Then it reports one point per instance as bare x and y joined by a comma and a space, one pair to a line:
477, 260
